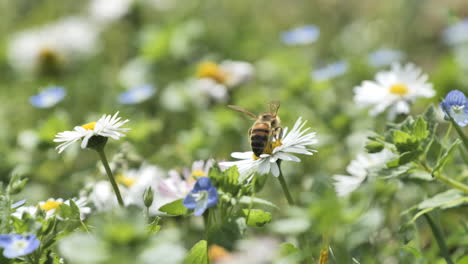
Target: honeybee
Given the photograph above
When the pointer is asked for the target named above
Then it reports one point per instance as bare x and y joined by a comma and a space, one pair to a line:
265, 131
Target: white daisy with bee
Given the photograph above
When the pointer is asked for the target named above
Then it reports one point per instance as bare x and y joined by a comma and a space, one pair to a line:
107, 126
395, 89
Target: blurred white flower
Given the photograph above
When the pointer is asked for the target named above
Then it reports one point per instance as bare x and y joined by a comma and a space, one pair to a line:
137, 94
237, 72
202, 90
135, 182
106, 126
28, 139
135, 73
48, 97
301, 35
102, 11
330, 71
359, 169
67, 40
385, 57
297, 141
51, 206
253, 251
103, 197
457, 33
396, 89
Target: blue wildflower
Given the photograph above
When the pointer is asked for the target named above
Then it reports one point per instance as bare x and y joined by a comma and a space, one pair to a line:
48, 97
301, 35
457, 106
17, 245
384, 57
203, 195
137, 94
330, 71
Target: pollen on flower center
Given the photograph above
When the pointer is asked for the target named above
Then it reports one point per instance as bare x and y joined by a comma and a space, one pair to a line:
399, 89
89, 126
50, 205
198, 173
276, 144
211, 70
127, 181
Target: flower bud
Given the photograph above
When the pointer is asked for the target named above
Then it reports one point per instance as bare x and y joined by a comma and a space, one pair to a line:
374, 146
148, 197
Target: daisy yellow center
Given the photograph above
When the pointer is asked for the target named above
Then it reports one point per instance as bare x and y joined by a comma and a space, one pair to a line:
89, 126
198, 173
399, 89
50, 205
216, 253
127, 181
211, 70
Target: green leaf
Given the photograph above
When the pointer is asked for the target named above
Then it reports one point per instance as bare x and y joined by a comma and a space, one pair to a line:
174, 208
257, 217
288, 249
448, 199
404, 141
154, 226
374, 146
198, 254
420, 131
421, 175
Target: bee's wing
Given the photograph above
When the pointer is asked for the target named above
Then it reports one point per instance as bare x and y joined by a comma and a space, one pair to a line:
243, 110
274, 106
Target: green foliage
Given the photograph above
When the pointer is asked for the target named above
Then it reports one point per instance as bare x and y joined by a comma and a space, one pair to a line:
257, 217
174, 208
198, 254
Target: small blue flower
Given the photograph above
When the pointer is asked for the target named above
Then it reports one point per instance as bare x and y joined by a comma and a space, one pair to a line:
384, 57
48, 97
456, 33
203, 195
457, 106
17, 245
330, 71
137, 94
301, 35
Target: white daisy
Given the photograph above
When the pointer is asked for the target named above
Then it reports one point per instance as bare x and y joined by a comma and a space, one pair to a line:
103, 12
359, 169
396, 89
106, 126
50, 208
103, 197
297, 141
229, 73
30, 210
69, 39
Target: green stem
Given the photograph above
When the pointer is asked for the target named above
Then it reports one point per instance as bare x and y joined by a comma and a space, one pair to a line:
284, 186
439, 238
102, 155
455, 184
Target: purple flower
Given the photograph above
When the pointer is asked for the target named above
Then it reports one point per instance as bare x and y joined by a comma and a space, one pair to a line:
48, 97
301, 35
17, 245
137, 95
203, 196
457, 106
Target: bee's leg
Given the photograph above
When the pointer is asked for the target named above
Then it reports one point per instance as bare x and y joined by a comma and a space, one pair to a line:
278, 133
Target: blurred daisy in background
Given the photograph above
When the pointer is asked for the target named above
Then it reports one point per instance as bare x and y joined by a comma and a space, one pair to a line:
301, 35
52, 45
214, 80
259, 250
137, 95
457, 33
106, 126
296, 141
102, 196
359, 169
103, 12
395, 89
384, 57
48, 97
456, 104
330, 71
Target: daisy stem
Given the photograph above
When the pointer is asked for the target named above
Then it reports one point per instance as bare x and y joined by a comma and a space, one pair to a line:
102, 155
284, 186
439, 238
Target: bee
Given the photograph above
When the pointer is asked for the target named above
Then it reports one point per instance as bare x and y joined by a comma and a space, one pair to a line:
266, 129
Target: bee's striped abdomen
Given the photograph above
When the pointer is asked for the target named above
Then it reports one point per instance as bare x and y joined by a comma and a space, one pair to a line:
259, 137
